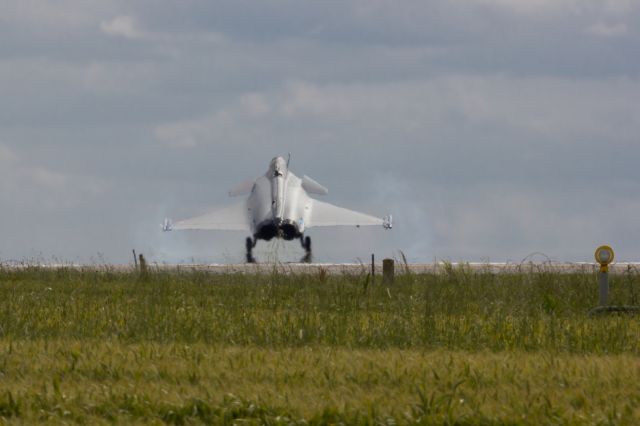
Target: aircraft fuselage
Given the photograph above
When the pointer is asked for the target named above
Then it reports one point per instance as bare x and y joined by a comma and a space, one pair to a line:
278, 206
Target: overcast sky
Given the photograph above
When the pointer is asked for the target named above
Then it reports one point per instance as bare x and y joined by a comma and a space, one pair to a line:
490, 129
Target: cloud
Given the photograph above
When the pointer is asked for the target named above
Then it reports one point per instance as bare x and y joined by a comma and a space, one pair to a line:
121, 26
529, 7
566, 9
619, 7
541, 106
608, 30
63, 15
563, 225
29, 185
7, 156
255, 104
482, 125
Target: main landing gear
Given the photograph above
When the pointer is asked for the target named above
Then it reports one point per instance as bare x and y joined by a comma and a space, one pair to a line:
305, 242
306, 245
250, 244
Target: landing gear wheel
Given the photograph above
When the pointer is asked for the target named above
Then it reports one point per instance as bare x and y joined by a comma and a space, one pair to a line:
250, 244
306, 243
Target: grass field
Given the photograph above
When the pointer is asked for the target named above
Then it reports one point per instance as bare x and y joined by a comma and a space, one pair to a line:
457, 347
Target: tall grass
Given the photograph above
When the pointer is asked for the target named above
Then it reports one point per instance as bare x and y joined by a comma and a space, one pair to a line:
112, 382
459, 309
458, 347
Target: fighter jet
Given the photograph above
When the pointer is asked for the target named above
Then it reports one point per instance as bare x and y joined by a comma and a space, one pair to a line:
278, 206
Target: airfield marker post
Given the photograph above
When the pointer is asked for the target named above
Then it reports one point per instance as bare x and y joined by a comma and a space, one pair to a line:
387, 271
604, 256
603, 277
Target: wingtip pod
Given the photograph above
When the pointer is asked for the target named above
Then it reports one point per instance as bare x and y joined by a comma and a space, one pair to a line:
167, 225
387, 222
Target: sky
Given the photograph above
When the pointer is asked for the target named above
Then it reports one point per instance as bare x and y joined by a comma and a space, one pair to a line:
492, 130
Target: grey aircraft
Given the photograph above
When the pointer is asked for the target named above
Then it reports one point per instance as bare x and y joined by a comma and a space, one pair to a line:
278, 206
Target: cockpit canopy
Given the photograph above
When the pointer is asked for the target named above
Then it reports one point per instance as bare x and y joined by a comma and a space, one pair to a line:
278, 167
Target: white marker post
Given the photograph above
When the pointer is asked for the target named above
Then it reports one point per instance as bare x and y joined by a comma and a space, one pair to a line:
604, 256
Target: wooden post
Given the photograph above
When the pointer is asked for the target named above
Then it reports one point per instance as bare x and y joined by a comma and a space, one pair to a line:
387, 271
373, 269
143, 266
135, 259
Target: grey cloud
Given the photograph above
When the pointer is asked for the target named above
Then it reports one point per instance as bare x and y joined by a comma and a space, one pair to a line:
121, 26
485, 126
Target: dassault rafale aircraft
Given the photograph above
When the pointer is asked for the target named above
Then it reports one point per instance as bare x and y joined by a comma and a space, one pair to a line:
278, 206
